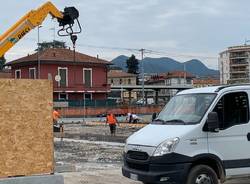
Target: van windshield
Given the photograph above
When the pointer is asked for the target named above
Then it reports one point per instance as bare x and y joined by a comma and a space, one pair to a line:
185, 109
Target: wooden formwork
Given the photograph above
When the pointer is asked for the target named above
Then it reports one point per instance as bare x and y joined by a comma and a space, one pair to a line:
26, 133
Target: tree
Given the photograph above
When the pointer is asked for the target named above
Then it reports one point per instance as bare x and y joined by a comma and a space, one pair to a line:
132, 64
2, 62
54, 44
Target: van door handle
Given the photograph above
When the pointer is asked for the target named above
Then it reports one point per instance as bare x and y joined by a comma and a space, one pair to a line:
248, 136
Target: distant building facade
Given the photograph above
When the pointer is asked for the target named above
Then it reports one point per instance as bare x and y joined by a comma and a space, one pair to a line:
118, 78
80, 76
198, 83
234, 65
168, 79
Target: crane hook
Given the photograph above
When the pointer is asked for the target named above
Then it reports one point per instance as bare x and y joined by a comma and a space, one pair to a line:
73, 39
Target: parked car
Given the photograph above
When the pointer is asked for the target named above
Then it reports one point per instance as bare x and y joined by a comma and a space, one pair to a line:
201, 136
150, 101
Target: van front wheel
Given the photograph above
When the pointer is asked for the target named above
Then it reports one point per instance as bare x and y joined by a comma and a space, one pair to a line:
202, 174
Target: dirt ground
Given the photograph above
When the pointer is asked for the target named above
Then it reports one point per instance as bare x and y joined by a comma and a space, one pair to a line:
89, 155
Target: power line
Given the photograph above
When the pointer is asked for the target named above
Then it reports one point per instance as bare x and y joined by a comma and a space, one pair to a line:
109, 48
149, 51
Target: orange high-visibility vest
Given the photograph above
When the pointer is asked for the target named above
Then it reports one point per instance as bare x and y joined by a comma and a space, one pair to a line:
111, 119
56, 115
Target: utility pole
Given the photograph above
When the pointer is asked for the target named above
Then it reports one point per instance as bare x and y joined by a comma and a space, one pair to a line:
142, 70
185, 77
38, 50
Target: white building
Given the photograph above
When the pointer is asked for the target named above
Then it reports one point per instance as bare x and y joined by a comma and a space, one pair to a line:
234, 65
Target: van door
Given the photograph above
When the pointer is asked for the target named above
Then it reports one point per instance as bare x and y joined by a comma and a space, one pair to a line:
232, 142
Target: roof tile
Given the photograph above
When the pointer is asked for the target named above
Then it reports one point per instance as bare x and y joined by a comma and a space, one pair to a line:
58, 54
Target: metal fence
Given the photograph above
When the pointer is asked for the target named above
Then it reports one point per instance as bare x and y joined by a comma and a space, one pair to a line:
86, 103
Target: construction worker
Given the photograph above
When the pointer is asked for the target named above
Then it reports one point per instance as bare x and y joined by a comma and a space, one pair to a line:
56, 116
112, 121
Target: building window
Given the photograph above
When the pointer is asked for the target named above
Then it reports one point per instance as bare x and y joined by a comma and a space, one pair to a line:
112, 81
129, 81
120, 81
32, 73
87, 96
63, 73
87, 77
17, 74
63, 96
49, 76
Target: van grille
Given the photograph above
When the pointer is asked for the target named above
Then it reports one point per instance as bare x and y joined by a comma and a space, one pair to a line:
137, 155
140, 167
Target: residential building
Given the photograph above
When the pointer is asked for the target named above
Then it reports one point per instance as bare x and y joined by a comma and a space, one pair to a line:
234, 65
197, 83
170, 78
75, 76
119, 78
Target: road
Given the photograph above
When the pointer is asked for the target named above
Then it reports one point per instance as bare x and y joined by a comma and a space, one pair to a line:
95, 156
113, 176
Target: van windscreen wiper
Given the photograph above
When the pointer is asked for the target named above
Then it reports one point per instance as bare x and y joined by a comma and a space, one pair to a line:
172, 121
175, 121
159, 121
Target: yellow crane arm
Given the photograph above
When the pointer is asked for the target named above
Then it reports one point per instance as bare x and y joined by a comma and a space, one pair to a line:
33, 19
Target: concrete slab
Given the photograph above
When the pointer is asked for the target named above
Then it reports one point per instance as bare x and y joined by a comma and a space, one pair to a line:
65, 168
48, 179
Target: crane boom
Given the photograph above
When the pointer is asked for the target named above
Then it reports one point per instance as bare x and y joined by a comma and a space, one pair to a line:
35, 18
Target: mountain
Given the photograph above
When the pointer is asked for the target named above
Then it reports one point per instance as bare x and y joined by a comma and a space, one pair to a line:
165, 64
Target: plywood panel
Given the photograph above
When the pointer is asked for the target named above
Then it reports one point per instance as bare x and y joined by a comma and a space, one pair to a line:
26, 129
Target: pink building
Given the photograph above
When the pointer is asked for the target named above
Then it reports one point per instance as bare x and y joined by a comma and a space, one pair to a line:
81, 76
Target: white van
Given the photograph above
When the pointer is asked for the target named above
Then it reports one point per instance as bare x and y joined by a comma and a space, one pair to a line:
202, 136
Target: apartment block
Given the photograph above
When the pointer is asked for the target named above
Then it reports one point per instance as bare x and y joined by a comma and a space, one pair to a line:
234, 65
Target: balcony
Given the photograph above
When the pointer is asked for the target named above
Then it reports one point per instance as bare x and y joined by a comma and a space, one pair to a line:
236, 64
239, 76
239, 71
240, 55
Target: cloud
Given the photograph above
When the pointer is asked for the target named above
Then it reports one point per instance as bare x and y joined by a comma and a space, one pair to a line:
191, 27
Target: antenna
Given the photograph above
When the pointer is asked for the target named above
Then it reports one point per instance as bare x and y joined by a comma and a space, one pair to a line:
246, 41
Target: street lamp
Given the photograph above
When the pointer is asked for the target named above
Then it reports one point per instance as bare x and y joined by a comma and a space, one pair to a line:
38, 50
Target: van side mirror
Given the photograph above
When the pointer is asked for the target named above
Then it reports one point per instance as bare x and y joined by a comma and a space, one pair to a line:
154, 115
213, 122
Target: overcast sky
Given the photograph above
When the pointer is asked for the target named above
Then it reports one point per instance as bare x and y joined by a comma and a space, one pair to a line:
181, 29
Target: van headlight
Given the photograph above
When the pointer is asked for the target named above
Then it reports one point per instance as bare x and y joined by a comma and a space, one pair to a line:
167, 146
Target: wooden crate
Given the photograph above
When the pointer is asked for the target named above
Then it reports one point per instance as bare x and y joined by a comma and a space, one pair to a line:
26, 129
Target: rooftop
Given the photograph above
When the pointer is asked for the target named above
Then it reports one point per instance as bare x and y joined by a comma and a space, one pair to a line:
177, 74
119, 74
206, 81
169, 75
58, 54
236, 48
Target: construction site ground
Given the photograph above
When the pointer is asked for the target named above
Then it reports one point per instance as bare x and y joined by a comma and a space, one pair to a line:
89, 155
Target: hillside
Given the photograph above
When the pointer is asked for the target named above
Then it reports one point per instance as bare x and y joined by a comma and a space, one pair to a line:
165, 64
